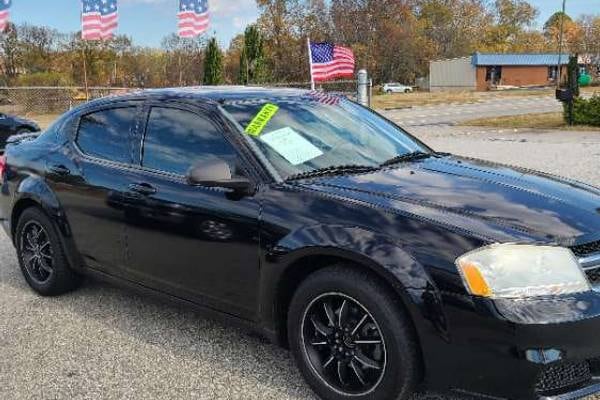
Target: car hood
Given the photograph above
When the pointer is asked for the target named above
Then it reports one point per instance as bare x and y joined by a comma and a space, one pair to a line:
484, 196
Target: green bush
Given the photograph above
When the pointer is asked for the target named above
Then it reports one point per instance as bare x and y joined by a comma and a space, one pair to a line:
585, 111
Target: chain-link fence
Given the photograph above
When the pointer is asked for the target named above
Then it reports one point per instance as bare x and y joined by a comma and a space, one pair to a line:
45, 103
49, 100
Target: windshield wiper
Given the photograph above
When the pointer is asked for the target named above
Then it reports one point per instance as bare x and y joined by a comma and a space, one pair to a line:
333, 170
415, 155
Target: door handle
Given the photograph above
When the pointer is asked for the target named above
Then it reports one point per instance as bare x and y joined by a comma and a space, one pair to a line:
59, 170
142, 188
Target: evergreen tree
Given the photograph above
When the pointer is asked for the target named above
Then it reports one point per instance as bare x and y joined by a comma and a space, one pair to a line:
213, 63
252, 59
243, 78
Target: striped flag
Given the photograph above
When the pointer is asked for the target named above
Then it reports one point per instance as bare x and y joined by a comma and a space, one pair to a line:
329, 61
193, 17
4, 13
99, 19
330, 99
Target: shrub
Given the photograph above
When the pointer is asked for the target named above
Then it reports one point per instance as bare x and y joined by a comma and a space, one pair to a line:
585, 111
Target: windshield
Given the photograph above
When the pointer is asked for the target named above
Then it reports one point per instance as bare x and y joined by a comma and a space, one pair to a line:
312, 132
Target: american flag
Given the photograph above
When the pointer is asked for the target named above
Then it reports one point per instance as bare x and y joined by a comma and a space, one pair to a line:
193, 17
329, 61
99, 19
324, 98
4, 13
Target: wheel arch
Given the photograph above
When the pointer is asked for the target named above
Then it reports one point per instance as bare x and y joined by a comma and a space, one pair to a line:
34, 192
306, 264
317, 259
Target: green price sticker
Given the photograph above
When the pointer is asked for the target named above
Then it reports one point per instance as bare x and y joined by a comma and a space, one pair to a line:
261, 119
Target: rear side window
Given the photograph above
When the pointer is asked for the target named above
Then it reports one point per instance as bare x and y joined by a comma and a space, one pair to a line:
176, 139
106, 134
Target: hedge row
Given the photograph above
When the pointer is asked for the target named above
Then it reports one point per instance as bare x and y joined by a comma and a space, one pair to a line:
585, 111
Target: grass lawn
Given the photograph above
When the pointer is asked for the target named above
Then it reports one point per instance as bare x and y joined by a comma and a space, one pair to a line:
553, 120
402, 100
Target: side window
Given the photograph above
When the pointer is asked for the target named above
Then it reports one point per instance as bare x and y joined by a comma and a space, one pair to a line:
105, 134
176, 139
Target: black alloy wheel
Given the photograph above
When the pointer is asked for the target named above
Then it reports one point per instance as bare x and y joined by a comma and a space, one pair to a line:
344, 344
41, 255
36, 250
351, 336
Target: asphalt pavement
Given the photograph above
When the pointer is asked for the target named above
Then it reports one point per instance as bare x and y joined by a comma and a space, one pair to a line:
102, 342
494, 106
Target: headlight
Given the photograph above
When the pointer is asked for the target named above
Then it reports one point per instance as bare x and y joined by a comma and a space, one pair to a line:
516, 271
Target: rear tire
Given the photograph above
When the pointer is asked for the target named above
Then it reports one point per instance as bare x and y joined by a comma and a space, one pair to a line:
407, 90
389, 92
351, 338
41, 256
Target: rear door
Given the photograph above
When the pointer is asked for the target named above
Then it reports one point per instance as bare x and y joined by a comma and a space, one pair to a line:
193, 242
91, 182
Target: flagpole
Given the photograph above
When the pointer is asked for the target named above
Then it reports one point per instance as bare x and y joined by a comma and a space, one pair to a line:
83, 47
312, 80
85, 77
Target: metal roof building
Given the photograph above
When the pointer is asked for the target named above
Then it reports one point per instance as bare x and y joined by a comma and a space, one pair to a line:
481, 59
484, 71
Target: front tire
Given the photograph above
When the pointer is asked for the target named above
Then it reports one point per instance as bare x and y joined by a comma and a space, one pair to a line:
41, 255
350, 337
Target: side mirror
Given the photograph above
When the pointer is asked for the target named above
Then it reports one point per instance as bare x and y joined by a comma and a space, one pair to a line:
217, 173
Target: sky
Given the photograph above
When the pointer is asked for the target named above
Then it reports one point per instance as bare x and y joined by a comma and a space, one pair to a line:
148, 21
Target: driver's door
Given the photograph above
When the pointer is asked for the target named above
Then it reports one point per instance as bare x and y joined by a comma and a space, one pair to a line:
193, 242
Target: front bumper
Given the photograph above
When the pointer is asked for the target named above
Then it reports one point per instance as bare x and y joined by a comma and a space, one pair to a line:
547, 350
588, 390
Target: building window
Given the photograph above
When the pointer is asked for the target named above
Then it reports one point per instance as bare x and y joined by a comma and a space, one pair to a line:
552, 73
493, 74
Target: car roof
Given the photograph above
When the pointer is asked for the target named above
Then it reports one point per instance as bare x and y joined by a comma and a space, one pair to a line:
202, 93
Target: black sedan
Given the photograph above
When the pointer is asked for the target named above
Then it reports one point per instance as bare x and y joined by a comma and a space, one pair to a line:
386, 267
13, 125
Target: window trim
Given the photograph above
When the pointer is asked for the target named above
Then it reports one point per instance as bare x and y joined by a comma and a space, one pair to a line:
208, 113
132, 132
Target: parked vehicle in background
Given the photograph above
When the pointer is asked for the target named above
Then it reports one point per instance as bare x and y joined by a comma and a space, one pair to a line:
14, 125
395, 87
384, 266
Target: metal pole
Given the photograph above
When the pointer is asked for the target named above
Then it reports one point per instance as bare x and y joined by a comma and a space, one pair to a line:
560, 43
312, 80
362, 90
85, 77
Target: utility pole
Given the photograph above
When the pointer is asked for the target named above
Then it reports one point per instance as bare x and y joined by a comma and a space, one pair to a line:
560, 43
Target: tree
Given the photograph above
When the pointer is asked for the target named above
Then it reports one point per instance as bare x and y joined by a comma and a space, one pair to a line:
213, 63
232, 59
184, 60
572, 32
9, 45
510, 30
252, 63
453, 27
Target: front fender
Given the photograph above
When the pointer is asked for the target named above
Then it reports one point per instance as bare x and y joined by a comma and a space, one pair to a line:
375, 251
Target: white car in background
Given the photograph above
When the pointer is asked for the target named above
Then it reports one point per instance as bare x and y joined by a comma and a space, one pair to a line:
396, 88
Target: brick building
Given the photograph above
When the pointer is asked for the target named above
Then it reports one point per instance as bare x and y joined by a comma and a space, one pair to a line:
488, 71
